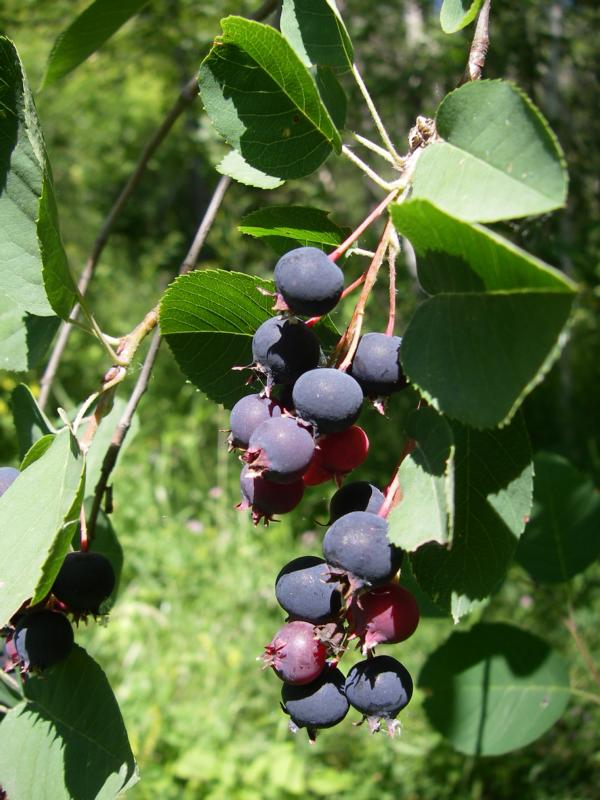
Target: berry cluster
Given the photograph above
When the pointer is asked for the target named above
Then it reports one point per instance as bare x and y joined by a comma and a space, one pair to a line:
41, 636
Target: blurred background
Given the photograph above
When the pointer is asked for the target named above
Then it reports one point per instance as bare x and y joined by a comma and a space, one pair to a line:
197, 601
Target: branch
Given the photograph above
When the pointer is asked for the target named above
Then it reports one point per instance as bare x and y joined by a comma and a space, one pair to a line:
479, 46
582, 648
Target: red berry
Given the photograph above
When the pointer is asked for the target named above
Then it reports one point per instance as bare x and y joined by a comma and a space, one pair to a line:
385, 615
336, 455
295, 653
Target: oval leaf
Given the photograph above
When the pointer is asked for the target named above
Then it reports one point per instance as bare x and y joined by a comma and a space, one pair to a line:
234, 166
300, 224
262, 99
71, 721
24, 337
494, 689
499, 160
316, 31
457, 14
561, 539
30, 421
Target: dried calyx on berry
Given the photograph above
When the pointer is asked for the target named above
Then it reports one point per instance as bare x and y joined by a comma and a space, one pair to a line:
279, 450
265, 498
303, 590
283, 349
379, 688
296, 653
308, 281
387, 614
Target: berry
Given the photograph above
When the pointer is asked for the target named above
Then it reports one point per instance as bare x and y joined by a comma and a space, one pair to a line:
43, 638
357, 496
84, 581
309, 281
303, 590
279, 450
284, 348
247, 414
328, 399
315, 474
266, 498
336, 455
379, 688
319, 704
358, 543
295, 653
385, 615
7, 476
376, 365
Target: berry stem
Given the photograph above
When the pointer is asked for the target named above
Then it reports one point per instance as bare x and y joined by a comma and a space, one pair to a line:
393, 251
375, 177
84, 541
393, 492
377, 212
385, 137
381, 151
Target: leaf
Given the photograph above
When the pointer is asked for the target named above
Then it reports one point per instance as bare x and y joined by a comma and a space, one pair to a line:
427, 608
30, 421
101, 441
495, 326
457, 14
561, 539
300, 224
105, 541
34, 273
499, 160
333, 95
426, 512
24, 338
263, 101
494, 689
234, 166
492, 478
316, 31
36, 450
88, 32
36, 514
11, 689
71, 721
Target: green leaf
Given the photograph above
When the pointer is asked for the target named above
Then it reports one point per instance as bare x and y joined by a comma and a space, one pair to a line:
427, 608
71, 721
426, 512
37, 515
494, 689
11, 690
492, 481
495, 326
561, 539
37, 450
332, 94
499, 160
301, 224
94, 26
101, 441
234, 166
30, 421
316, 31
457, 14
263, 101
34, 273
24, 338
105, 541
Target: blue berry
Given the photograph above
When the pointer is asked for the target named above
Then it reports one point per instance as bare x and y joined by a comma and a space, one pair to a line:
247, 414
279, 450
84, 581
356, 496
283, 349
327, 398
303, 590
376, 365
309, 281
43, 638
320, 704
379, 688
265, 498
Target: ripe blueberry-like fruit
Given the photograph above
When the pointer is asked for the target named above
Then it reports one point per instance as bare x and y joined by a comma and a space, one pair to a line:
356, 496
379, 688
336, 455
385, 615
284, 348
279, 450
43, 638
247, 414
8, 475
328, 399
296, 654
303, 590
376, 365
265, 498
358, 544
319, 704
309, 281
84, 581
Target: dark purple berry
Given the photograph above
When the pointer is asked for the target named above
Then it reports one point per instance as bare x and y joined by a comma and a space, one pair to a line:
356, 496
279, 450
284, 348
265, 498
358, 544
309, 281
84, 581
43, 638
328, 399
320, 704
296, 654
303, 590
376, 365
8, 475
379, 688
247, 414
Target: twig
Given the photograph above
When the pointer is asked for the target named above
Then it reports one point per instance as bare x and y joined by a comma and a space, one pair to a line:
582, 648
393, 493
479, 46
385, 138
209, 217
351, 156
374, 147
357, 232
393, 250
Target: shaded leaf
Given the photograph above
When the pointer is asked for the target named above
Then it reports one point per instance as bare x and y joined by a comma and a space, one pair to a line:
300, 224
94, 26
499, 160
30, 421
333, 95
263, 101
24, 337
71, 721
494, 689
495, 326
562, 538
316, 31
457, 14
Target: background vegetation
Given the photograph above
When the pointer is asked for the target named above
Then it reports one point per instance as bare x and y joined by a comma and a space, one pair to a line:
197, 601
